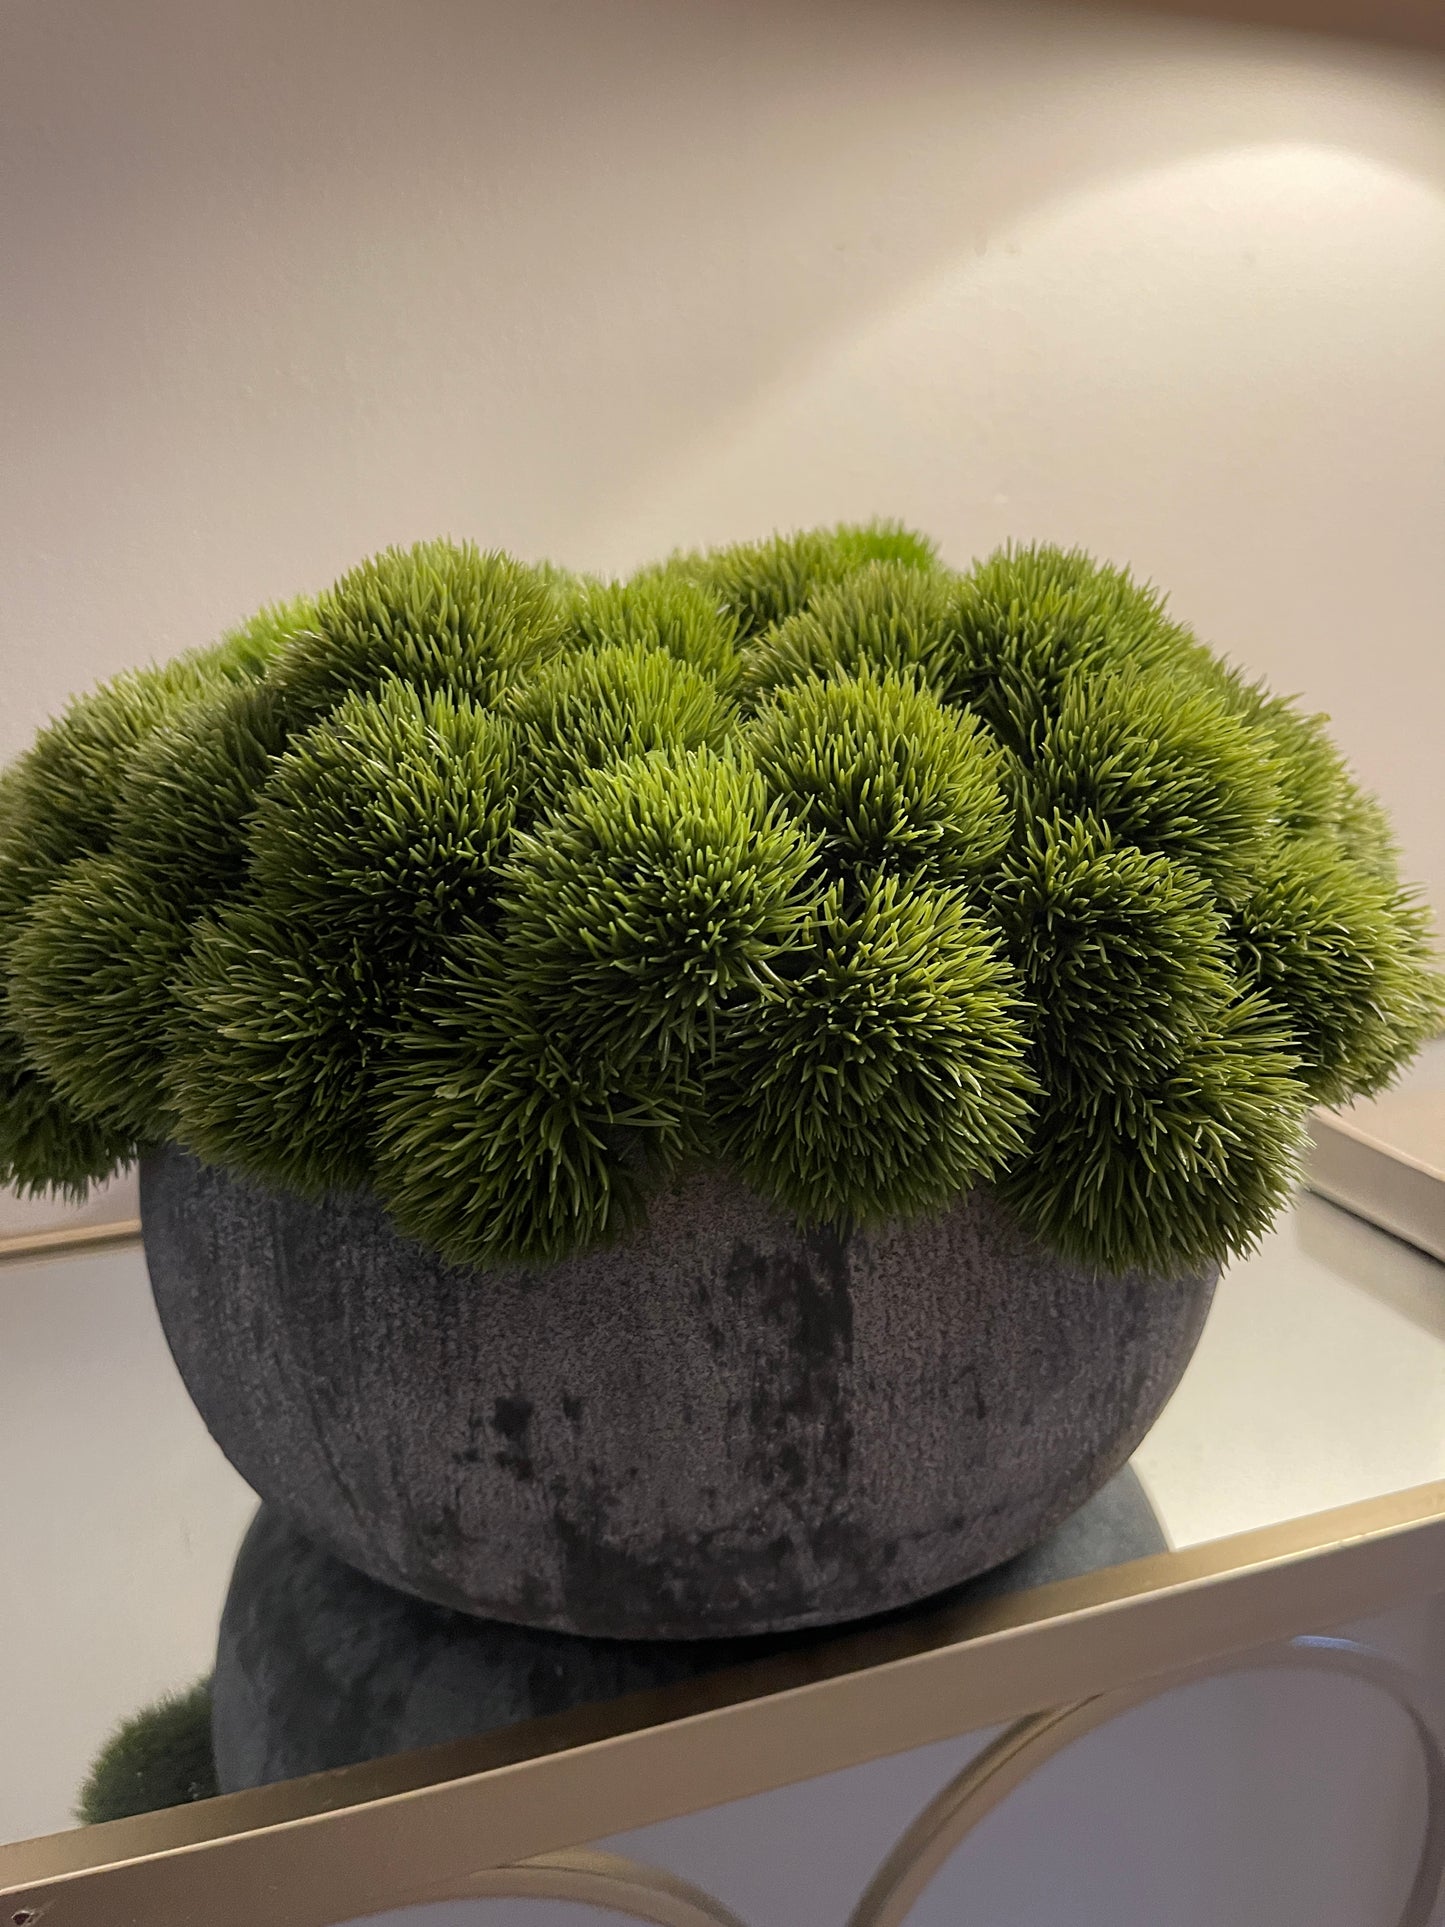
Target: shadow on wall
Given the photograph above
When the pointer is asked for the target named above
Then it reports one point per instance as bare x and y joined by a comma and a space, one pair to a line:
1223, 369
1069, 332
301, 282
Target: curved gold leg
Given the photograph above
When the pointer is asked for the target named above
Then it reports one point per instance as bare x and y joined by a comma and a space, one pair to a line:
606, 1880
946, 1822
660, 1899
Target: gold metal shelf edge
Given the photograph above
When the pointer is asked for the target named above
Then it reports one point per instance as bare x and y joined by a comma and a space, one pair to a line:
650, 1895
342, 1844
1390, 23
936, 1833
82, 1237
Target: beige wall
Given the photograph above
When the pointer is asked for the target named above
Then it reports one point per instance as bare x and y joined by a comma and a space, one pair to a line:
286, 282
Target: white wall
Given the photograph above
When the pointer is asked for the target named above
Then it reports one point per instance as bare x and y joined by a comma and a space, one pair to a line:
286, 280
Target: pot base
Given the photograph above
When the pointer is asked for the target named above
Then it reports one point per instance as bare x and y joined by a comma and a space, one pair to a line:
722, 1425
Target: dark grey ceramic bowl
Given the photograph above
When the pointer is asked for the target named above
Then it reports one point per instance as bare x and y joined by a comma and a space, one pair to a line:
318, 1666
721, 1426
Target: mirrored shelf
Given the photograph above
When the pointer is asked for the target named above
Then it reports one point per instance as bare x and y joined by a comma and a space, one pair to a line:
1319, 1384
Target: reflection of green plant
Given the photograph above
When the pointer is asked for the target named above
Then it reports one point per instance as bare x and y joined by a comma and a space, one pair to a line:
508, 893
160, 1757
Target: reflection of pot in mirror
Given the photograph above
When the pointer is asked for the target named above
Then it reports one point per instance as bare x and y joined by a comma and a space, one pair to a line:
718, 1425
318, 1666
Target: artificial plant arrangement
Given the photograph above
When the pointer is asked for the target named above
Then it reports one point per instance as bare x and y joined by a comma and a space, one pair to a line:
501, 892
514, 900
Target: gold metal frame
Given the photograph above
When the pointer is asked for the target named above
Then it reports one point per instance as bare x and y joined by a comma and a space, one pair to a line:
607, 1880
68, 1239
1385, 1162
986, 1782
1410, 23
341, 1845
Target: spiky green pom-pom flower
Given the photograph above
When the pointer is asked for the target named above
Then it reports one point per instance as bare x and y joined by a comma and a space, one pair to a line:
1124, 956
1027, 621
62, 794
90, 993
189, 791
884, 1072
498, 1141
96, 957
760, 583
659, 609
45, 1143
662, 888
546, 1073
443, 616
61, 802
1345, 960
1167, 1175
70, 793
386, 825
1318, 795
883, 775
1004, 640
887, 617
245, 654
1161, 766
587, 712
274, 1039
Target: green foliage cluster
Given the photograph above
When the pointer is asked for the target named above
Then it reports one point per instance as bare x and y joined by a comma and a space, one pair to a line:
506, 894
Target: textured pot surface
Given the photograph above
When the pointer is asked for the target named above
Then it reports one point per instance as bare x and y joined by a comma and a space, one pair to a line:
318, 1666
720, 1425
